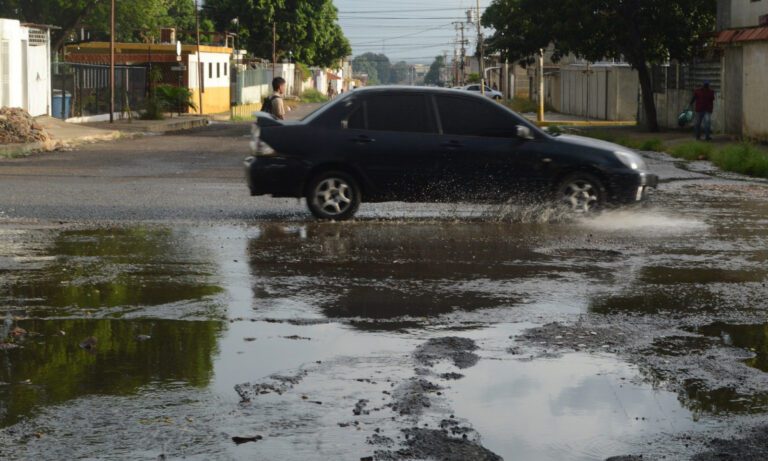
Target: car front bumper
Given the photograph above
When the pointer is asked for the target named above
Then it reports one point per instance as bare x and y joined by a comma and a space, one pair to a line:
632, 187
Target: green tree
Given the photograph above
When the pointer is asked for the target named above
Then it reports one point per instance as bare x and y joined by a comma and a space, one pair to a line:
641, 32
434, 75
307, 29
399, 72
377, 66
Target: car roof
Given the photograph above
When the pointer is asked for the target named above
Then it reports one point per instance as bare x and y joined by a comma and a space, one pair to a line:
413, 89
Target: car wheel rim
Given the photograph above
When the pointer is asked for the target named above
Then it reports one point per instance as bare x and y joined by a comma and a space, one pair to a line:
581, 196
333, 196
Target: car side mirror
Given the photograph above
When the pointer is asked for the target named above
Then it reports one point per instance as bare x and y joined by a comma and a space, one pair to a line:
524, 132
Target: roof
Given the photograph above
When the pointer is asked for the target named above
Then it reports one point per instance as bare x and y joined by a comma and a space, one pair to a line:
752, 34
144, 48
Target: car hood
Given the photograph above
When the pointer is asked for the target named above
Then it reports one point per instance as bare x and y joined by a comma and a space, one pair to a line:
583, 141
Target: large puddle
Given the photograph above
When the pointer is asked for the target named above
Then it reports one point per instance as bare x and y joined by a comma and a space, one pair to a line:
145, 331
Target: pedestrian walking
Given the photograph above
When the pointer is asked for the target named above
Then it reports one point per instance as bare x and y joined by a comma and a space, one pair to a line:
704, 100
274, 104
331, 91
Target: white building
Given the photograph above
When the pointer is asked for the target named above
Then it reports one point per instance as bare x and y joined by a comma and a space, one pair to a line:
25, 67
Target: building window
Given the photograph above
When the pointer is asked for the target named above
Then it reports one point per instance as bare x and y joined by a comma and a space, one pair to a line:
226, 66
218, 70
210, 70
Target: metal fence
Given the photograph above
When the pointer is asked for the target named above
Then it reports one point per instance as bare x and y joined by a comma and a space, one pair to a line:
249, 85
81, 90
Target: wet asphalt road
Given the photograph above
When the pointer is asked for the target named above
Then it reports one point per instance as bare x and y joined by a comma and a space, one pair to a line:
151, 307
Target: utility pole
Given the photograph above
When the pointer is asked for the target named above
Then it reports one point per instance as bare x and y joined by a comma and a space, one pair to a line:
540, 115
200, 68
112, 64
481, 45
460, 77
463, 56
274, 46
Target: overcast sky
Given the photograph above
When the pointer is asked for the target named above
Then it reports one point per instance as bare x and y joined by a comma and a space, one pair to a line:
415, 31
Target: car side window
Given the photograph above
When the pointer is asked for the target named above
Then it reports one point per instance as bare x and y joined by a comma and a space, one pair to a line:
398, 112
474, 88
356, 120
474, 117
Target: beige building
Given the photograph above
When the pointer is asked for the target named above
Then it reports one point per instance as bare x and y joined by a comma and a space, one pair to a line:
743, 34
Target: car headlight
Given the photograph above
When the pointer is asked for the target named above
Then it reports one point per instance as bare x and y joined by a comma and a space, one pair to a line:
631, 160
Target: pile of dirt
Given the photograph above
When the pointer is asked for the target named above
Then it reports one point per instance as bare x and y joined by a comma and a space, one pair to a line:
17, 126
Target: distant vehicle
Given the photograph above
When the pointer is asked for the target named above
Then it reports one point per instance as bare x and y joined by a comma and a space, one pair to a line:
490, 93
433, 145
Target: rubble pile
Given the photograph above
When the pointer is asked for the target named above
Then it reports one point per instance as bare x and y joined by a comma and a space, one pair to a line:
17, 126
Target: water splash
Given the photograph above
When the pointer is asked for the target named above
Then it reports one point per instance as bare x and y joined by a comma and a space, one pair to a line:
652, 222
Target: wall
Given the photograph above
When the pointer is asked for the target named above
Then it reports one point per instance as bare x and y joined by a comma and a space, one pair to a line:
670, 104
733, 90
755, 121
25, 68
745, 13
605, 92
216, 86
10, 63
38, 79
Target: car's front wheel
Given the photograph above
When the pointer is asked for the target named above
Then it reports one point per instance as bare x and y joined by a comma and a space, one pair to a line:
333, 195
581, 192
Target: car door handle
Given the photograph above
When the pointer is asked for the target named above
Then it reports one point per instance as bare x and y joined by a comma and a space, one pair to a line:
362, 139
452, 145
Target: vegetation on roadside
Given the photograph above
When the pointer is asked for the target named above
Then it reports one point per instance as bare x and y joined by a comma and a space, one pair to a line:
649, 144
742, 158
312, 95
745, 158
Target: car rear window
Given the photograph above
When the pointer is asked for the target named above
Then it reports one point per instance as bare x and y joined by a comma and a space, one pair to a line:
474, 117
398, 112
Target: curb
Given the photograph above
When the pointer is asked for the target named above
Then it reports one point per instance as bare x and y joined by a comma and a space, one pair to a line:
21, 150
178, 125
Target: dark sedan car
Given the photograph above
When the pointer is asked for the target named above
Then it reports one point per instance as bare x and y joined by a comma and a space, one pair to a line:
433, 145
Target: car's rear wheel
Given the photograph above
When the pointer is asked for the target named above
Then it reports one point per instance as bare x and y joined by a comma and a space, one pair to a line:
581, 192
333, 195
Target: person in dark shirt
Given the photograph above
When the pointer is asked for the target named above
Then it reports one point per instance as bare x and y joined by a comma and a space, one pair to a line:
704, 99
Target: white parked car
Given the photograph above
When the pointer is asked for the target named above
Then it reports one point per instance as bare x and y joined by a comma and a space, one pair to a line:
493, 94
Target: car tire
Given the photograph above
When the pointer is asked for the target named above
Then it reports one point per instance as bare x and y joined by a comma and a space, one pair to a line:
333, 195
497, 98
581, 193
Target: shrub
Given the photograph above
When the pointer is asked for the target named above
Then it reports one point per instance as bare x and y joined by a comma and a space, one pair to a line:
175, 98
312, 95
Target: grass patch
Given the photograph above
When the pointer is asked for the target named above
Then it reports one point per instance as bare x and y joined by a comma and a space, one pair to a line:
743, 158
652, 144
693, 151
313, 95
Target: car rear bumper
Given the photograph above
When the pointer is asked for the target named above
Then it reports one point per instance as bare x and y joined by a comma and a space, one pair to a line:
275, 176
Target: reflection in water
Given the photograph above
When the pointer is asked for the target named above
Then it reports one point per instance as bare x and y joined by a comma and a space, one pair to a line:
387, 270
751, 337
51, 366
111, 268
